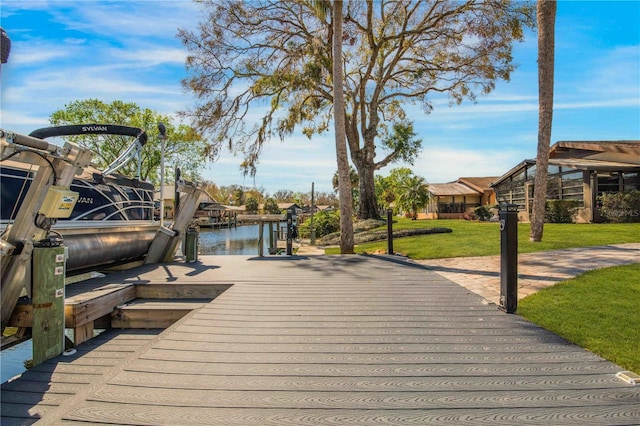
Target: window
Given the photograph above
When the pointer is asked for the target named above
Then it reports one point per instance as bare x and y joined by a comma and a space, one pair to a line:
572, 186
631, 181
608, 182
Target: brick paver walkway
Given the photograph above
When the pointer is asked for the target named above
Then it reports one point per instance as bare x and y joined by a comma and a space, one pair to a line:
535, 270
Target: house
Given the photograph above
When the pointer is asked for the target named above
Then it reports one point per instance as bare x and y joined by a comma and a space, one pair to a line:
211, 213
316, 209
579, 171
292, 208
452, 200
168, 192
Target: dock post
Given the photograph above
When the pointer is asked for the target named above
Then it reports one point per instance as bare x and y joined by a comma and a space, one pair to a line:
289, 234
389, 231
260, 237
48, 300
508, 214
272, 245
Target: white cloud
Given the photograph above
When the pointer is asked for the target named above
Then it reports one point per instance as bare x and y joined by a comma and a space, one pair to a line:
448, 164
28, 54
151, 56
616, 73
121, 20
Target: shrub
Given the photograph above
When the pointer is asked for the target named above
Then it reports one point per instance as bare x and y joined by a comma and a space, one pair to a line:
271, 206
561, 211
325, 223
251, 205
469, 215
483, 213
620, 207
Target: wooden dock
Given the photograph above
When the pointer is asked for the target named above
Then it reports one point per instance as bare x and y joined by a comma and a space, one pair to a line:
323, 340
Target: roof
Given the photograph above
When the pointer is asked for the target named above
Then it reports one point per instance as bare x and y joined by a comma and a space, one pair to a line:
463, 186
287, 206
585, 148
452, 188
514, 170
221, 207
589, 164
587, 155
480, 184
573, 163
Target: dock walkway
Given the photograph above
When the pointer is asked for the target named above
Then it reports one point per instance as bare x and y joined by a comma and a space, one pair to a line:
324, 340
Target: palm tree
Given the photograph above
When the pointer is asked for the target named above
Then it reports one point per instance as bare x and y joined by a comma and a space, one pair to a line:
344, 182
546, 14
413, 194
345, 195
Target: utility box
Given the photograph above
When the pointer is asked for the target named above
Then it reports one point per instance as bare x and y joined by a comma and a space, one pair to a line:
59, 202
48, 274
508, 214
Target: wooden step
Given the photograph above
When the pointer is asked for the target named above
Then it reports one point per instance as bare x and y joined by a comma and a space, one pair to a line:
153, 313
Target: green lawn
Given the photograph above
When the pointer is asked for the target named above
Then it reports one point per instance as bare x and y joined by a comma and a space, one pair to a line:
597, 310
483, 238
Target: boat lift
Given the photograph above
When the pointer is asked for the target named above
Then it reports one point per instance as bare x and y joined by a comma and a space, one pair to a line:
35, 263
48, 198
165, 243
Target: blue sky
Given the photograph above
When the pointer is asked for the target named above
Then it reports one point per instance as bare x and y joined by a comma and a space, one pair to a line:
127, 50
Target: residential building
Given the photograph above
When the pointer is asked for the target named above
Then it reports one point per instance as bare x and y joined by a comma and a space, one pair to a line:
578, 170
454, 199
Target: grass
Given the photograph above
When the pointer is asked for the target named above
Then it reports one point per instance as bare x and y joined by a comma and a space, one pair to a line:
597, 310
483, 238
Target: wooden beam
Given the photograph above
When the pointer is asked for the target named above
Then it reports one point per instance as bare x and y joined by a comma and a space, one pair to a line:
153, 313
181, 291
87, 309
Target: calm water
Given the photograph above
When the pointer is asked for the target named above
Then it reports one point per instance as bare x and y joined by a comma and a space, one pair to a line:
242, 240
12, 360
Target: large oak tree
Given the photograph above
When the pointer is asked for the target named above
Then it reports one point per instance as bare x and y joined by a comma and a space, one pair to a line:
263, 68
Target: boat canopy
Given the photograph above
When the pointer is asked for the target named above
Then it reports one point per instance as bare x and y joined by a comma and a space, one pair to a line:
101, 129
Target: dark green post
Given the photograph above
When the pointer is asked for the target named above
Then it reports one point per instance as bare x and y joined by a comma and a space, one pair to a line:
289, 234
48, 272
508, 214
389, 231
191, 244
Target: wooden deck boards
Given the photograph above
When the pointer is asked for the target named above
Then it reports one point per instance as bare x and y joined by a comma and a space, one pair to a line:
327, 340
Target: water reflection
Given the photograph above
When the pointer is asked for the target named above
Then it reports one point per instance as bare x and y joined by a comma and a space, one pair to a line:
12, 360
241, 240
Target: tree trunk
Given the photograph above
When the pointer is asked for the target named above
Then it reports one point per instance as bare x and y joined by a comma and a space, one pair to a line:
368, 208
344, 182
546, 14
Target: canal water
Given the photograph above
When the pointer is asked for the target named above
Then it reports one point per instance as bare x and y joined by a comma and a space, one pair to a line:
229, 241
242, 240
